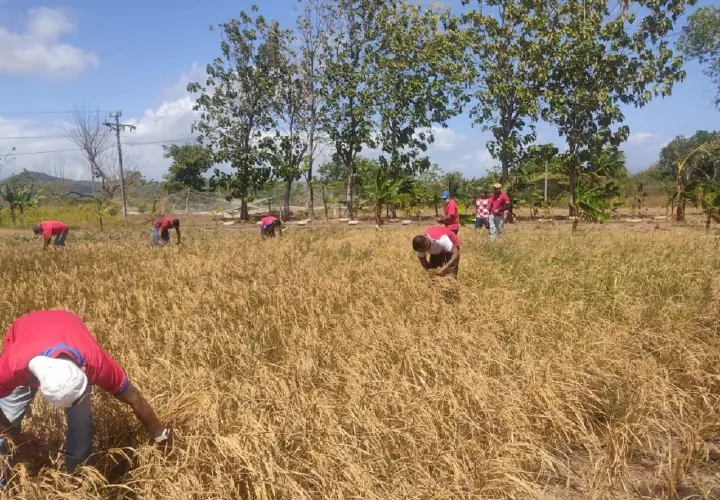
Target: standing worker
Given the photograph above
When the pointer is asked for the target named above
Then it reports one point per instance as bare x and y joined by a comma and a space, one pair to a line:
53, 351
482, 215
499, 204
161, 229
50, 228
443, 245
268, 225
451, 219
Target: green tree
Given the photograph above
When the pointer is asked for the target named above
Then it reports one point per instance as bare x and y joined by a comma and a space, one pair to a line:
349, 97
685, 164
705, 169
190, 162
700, 40
509, 64
603, 59
313, 32
291, 142
237, 103
418, 82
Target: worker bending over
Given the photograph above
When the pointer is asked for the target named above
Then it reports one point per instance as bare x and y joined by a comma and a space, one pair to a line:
161, 230
443, 245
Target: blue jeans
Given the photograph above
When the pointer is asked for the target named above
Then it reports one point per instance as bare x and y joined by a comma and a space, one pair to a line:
497, 224
79, 437
156, 235
60, 238
479, 222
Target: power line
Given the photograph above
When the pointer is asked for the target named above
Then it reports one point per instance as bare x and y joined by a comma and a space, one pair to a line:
127, 144
47, 112
21, 137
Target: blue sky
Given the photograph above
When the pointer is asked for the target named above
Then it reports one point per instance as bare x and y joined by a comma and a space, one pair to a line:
137, 57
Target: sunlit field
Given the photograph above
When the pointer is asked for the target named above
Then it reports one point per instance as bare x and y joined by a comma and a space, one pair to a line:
329, 364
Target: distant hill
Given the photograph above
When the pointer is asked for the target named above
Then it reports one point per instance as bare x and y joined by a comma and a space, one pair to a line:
40, 178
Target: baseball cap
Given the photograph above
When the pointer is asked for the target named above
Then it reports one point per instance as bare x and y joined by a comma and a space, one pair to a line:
444, 195
61, 381
497, 185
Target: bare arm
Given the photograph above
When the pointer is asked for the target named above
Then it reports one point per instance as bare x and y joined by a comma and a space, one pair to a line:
143, 411
47, 242
424, 262
451, 263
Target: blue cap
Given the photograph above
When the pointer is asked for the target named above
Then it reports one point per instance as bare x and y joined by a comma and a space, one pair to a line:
445, 195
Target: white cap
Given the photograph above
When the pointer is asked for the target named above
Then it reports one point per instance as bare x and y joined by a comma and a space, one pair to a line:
61, 381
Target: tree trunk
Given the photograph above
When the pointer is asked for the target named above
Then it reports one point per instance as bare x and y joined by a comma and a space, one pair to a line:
286, 199
243, 208
378, 213
311, 148
187, 202
12, 214
505, 169
680, 197
707, 221
393, 210
349, 192
572, 178
436, 210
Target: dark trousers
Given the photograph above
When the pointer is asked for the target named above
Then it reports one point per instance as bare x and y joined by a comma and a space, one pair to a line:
437, 261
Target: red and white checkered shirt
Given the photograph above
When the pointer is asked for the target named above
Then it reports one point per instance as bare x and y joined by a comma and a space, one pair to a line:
483, 208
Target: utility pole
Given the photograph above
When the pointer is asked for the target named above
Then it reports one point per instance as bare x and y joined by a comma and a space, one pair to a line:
546, 173
117, 126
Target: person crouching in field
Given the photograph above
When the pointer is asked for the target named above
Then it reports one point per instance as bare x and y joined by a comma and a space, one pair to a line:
53, 351
161, 230
268, 225
50, 228
443, 245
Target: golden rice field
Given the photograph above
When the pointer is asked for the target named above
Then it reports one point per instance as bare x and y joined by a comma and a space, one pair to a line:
328, 364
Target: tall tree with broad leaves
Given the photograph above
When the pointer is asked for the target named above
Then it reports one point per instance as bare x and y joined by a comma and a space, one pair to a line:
418, 82
313, 32
700, 40
291, 139
350, 98
605, 56
190, 162
238, 102
510, 65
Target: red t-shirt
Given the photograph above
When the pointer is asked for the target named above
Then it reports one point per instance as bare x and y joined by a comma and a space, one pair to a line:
437, 232
52, 228
51, 333
452, 209
164, 223
498, 202
268, 220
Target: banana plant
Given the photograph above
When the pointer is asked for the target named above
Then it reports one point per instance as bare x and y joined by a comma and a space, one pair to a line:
591, 205
684, 166
383, 190
710, 203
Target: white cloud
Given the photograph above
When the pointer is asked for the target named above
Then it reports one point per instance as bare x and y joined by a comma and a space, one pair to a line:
39, 52
642, 137
446, 139
167, 123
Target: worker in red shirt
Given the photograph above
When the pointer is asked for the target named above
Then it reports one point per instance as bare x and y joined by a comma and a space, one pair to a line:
53, 351
161, 230
443, 245
268, 225
451, 218
499, 205
50, 228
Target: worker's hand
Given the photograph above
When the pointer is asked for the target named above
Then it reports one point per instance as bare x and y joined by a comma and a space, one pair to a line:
165, 446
